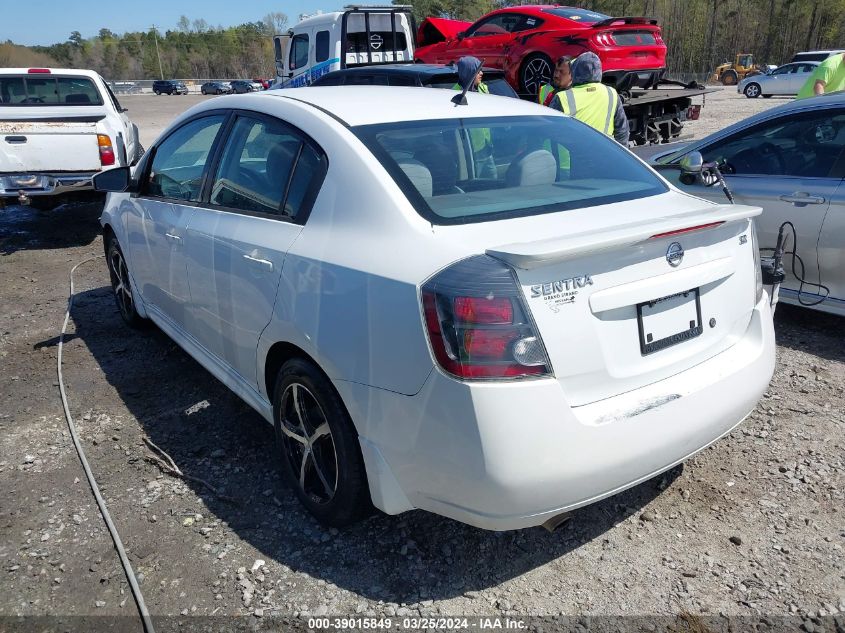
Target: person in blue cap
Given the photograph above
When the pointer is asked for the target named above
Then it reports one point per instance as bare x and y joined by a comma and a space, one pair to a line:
470, 78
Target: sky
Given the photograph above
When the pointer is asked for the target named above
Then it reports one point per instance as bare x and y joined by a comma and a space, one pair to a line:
45, 22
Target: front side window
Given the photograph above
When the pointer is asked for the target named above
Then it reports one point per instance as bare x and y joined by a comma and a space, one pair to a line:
478, 169
180, 160
266, 168
802, 146
299, 52
45, 89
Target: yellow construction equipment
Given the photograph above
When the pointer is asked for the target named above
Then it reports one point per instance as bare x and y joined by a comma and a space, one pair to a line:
730, 74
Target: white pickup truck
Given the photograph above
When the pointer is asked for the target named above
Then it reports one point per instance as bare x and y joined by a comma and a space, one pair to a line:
58, 128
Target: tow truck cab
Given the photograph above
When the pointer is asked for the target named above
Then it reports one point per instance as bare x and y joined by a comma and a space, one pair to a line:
356, 36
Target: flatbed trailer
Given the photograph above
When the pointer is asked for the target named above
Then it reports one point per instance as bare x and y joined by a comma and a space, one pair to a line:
657, 115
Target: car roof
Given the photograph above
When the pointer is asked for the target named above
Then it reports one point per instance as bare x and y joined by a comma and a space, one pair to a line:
366, 105
53, 71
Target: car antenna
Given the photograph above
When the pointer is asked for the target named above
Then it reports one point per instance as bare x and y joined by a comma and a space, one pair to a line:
461, 99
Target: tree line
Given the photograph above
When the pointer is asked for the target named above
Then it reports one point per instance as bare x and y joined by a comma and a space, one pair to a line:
699, 34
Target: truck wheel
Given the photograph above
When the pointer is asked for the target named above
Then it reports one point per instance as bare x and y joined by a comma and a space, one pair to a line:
729, 78
535, 71
317, 445
752, 90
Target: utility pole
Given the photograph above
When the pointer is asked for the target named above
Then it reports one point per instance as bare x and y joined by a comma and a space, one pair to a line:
155, 37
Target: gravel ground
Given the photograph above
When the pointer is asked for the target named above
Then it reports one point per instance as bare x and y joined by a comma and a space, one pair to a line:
753, 526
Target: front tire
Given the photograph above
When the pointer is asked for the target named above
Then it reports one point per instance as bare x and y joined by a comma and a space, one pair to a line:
158, 93
534, 72
122, 285
317, 446
752, 90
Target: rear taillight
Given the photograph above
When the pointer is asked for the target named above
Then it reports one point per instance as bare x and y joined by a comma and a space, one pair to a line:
758, 271
478, 325
689, 229
605, 38
106, 150
39, 71
658, 39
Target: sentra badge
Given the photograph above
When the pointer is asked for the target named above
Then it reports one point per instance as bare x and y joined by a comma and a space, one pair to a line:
561, 292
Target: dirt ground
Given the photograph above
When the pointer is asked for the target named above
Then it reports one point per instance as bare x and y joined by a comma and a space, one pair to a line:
753, 526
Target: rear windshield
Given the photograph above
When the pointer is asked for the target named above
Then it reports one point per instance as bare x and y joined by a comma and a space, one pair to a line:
44, 89
473, 170
379, 42
578, 15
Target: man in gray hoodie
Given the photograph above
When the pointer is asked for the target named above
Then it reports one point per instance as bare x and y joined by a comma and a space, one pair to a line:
592, 102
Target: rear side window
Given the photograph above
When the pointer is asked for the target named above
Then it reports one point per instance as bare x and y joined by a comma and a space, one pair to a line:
479, 169
267, 168
322, 46
379, 42
180, 160
36, 90
577, 15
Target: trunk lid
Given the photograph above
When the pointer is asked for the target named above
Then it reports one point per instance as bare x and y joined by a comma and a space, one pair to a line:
598, 292
629, 43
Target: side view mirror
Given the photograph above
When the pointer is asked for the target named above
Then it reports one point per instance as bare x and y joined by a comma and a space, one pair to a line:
691, 165
115, 180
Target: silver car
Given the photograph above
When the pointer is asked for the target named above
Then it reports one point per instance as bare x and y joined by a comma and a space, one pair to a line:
790, 161
786, 80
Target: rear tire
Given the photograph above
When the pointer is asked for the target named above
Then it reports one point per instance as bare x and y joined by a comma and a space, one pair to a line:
317, 446
535, 71
121, 285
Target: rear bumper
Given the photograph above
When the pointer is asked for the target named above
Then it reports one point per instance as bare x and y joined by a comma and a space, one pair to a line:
41, 184
513, 455
624, 80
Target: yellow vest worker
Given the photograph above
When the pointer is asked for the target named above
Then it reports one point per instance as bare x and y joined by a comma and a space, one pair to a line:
591, 102
481, 138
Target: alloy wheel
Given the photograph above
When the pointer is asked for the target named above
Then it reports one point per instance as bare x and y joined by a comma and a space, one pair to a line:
307, 443
120, 283
752, 91
536, 72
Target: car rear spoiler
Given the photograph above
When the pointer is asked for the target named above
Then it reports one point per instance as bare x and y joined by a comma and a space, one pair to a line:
620, 21
82, 118
528, 255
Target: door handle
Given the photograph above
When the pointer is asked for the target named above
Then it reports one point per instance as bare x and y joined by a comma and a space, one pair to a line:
14, 140
175, 239
264, 264
800, 198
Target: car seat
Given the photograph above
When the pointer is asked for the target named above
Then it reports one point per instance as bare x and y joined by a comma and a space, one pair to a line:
537, 167
418, 174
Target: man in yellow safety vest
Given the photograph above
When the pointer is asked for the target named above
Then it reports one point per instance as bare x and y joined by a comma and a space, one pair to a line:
481, 138
591, 102
561, 80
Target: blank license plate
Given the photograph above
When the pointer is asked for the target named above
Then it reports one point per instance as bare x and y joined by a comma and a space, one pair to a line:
669, 321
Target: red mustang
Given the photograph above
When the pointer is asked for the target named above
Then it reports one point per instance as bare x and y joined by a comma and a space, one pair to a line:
524, 41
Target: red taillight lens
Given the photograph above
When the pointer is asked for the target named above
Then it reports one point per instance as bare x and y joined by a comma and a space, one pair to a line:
477, 323
484, 310
39, 71
106, 150
605, 39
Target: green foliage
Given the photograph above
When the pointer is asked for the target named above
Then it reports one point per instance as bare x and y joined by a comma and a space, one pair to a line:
191, 50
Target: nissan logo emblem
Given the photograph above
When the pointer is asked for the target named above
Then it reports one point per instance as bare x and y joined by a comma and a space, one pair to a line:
376, 41
675, 254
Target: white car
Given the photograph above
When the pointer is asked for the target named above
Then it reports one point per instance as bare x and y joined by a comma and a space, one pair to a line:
490, 312
784, 81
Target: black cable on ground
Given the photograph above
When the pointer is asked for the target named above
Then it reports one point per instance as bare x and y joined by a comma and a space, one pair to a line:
118, 544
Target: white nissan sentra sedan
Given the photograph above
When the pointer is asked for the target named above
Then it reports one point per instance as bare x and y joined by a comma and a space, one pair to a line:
490, 312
